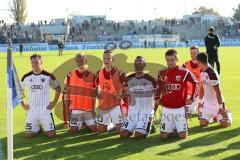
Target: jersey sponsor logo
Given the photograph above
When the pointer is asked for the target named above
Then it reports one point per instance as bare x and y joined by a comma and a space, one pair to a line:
138, 91
172, 87
34, 88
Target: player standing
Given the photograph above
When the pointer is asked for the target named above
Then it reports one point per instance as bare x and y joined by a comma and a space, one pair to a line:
172, 95
194, 68
211, 103
79, 99
212, 43
20, 48
38, 83
142, 89
111, 82
60, 48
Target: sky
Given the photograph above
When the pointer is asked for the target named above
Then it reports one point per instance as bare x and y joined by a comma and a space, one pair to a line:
117, 10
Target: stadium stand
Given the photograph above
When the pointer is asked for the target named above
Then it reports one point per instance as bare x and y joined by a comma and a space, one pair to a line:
98, 28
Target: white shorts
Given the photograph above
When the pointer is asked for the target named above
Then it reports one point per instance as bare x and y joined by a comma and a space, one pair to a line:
114, 115
137, 120
192, 108
173, 119
78, 117
209, 111
35, 119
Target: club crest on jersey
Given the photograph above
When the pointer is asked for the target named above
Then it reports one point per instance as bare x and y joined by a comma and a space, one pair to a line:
178, 78
42, 79
165, 78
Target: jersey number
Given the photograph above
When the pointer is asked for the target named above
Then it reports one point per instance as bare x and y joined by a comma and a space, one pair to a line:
29, 126
163, 126
73, 121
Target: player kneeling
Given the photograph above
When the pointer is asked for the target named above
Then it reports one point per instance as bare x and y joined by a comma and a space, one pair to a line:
80, 96
194, 68
111, 83
38, 82
211, 104
172, 95
140, 112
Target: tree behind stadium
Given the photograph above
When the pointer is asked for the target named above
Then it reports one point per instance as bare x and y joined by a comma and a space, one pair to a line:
19, 10
204, 10
236, 15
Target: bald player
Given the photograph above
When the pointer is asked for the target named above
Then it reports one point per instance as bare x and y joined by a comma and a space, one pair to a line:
142, 89
80, 96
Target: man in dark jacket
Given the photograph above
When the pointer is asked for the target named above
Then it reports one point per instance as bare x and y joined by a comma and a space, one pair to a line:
212, 43
20, 48
60, 48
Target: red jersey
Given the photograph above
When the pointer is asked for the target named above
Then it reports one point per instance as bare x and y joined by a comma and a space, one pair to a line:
172, 86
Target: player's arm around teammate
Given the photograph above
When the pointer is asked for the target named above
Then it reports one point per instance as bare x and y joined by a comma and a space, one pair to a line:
81, 96
38, 83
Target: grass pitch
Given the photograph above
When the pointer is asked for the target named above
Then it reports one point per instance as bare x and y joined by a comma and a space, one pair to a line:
209, 143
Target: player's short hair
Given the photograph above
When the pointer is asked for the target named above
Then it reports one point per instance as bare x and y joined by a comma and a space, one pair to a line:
194, 47
80, 55
35, 56
107, 51
202, 57
211, 29
140, 57
171, 52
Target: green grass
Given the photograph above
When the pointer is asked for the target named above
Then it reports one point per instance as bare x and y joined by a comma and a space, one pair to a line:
211, 142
